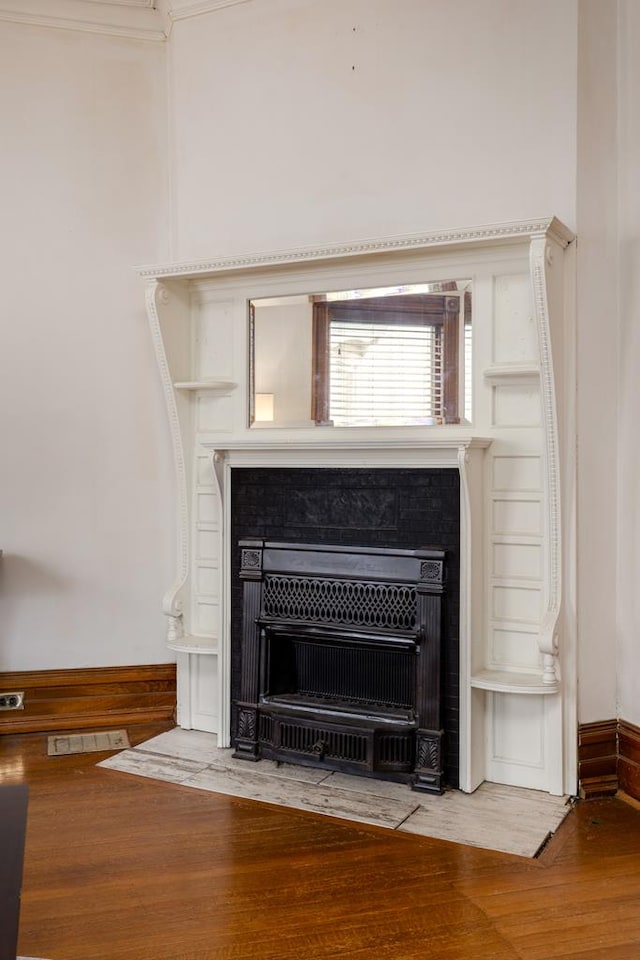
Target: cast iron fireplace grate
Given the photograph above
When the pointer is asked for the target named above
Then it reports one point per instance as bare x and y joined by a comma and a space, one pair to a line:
341, 659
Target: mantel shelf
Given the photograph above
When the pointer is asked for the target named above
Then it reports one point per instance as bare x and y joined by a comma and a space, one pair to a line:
449, 440
192, 644
512, 373
507, 681
217, 386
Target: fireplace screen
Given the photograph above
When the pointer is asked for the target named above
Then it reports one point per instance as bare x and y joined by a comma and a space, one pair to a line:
341, 659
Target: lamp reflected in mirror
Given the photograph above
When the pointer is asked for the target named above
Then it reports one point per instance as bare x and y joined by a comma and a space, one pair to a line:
264, 407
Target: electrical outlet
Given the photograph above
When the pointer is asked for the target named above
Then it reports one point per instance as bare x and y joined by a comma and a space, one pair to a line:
11, 701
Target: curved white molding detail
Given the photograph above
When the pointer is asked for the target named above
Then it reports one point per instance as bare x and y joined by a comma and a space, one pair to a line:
517, 229
173, 602
540, 258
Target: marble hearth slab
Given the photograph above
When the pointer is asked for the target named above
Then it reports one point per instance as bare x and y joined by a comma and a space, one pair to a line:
154, 765
202, 748
301, 795
507, 819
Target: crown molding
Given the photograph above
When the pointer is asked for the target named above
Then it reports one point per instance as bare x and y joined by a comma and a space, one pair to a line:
183, 9
525, 230
131, 19
150, 4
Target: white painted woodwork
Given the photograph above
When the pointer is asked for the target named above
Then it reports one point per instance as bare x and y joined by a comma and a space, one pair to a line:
513, 694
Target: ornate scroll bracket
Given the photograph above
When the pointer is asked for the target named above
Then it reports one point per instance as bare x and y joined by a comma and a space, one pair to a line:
541, 260
157, 297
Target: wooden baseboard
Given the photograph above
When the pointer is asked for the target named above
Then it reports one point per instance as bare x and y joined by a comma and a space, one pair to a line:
91, 698
629, 758
598, 759
608, 759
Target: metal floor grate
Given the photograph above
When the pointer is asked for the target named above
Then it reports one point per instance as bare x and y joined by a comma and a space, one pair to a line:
60, 746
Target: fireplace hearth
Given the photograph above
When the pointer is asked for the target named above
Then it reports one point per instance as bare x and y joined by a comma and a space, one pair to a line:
341, 650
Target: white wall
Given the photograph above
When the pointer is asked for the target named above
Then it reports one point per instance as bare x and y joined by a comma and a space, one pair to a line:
303, 121
293, 122
299, 122
629, 368
86, 479
597, 358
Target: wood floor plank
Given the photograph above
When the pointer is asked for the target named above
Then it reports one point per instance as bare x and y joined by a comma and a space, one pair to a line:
119, 867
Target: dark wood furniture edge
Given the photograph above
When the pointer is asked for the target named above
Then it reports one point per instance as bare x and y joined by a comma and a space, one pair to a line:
13, 826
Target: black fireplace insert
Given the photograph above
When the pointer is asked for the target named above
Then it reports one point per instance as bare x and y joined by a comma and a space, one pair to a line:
341, 659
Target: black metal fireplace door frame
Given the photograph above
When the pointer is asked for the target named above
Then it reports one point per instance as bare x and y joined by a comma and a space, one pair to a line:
341, 651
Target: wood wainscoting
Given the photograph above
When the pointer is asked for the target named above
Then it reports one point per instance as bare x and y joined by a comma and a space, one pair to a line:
608, 759
96, 697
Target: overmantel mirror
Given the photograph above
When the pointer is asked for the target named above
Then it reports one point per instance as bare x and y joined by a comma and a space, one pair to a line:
386, 356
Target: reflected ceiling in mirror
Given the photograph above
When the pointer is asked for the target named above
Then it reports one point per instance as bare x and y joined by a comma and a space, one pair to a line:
384, 356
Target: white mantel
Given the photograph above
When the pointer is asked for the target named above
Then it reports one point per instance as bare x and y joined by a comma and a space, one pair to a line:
516, 463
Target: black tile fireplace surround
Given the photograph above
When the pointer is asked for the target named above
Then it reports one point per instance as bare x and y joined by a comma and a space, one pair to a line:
387, 510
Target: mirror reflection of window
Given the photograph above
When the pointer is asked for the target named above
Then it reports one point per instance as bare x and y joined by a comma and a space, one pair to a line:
385, 357
367, 360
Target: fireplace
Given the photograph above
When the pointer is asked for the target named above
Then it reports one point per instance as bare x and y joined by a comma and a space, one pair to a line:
341, 659
337, 524
508, 647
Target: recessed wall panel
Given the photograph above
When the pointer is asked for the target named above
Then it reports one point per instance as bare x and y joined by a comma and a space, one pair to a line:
515, 335
518, 474
207, 544
516, 649
516, 405
518, 724
517, 561
204, 693
517, 603
517, 517
204, 471
208, 582
207, 508
213, 348
207, 617
214, 413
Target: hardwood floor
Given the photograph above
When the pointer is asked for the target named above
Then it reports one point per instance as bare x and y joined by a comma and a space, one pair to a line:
119, 867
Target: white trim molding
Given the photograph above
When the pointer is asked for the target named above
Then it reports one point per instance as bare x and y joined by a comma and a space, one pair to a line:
524, 230
130, 19
184, 9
